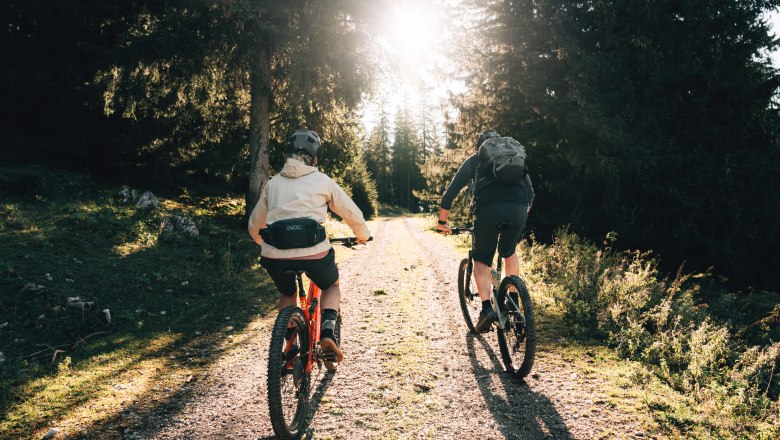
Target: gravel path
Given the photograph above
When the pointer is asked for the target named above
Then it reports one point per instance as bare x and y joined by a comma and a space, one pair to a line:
411, 368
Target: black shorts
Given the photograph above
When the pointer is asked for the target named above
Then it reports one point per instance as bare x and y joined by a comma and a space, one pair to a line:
486, 221
323, 272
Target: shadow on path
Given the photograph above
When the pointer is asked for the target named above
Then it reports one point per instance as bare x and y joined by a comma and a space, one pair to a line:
523, 413
315, 400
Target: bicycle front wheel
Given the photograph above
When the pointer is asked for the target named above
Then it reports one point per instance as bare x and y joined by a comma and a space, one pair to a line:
470, 303
288, 382
517, 338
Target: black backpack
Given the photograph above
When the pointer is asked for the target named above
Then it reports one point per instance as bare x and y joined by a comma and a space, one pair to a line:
503, 160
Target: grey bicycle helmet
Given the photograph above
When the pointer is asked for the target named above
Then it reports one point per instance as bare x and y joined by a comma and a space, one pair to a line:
485, 135
304, 141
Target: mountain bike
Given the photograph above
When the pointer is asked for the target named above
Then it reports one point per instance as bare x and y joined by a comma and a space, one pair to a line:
294, 352
512, 304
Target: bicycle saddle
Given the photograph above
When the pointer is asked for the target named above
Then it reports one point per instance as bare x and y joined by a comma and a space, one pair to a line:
294, 271
506, 224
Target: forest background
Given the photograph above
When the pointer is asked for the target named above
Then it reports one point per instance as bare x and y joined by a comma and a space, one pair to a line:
657, 121
650, 126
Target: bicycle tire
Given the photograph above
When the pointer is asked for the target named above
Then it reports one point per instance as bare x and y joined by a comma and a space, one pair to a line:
470, 304
518, 331
280, 376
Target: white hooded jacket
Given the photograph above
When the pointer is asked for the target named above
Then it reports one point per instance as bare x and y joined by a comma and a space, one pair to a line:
300, 190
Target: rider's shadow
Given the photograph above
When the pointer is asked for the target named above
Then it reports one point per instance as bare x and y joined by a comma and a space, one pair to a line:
527, 415
323, 382
316, 400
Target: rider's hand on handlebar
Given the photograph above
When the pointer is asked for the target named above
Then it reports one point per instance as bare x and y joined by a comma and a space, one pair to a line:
359, 241
444, 229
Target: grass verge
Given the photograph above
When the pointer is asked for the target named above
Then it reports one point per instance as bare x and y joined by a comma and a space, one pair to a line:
174, 301
686, 358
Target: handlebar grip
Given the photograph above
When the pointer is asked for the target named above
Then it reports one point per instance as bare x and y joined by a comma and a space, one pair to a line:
347, 241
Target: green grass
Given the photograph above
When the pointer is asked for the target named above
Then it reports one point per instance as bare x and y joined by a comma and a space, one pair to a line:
171, 299
731, 401
720, 386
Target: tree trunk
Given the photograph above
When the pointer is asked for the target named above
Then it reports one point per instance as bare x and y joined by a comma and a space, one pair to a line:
259, 125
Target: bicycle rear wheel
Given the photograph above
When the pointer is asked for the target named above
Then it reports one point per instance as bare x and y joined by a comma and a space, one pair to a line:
517, 339
288, 382
470, 303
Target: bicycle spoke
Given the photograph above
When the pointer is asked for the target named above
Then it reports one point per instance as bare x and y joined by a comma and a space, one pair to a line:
288, 381
470, 303
516, 339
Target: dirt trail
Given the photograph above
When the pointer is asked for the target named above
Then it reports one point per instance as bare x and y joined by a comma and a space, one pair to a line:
412, 369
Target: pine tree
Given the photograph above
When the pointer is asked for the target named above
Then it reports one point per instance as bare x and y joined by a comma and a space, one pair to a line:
377, 156
406, 158
651, 119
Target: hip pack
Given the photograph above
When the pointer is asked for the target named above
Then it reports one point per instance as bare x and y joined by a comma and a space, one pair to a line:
293, 233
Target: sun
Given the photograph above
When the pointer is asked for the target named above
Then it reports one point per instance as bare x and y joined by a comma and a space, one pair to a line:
411, 30
415, 51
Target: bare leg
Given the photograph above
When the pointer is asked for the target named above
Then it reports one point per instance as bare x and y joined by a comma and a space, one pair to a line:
512, 264
482, 278
331, 297
512, 267
285, 301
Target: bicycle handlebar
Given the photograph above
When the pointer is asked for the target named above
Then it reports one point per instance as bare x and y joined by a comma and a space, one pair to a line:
347, 241
456, 231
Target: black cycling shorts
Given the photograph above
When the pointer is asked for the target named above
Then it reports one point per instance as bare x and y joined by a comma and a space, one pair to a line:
323, 272
486, 221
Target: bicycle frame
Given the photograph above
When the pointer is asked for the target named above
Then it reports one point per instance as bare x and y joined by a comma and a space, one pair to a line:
310, 305
495, 279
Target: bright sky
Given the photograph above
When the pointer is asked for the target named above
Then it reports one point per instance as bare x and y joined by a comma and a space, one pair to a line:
414, 34
774, 23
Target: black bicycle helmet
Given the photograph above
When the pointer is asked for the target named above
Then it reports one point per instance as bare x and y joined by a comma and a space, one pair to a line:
304, 141
485, 135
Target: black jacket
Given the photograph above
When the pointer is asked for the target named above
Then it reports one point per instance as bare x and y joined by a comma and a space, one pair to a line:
489, 191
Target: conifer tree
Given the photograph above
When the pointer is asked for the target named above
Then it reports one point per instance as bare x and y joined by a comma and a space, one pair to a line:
652, 119
377, 157
406, 158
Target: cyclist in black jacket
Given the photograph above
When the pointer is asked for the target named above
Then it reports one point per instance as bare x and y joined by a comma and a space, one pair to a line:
494, 203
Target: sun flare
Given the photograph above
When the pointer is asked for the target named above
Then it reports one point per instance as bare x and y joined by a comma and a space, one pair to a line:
411, 32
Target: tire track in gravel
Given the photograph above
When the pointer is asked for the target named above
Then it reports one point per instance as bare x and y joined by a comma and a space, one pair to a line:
411, 368
555, 401
230, 400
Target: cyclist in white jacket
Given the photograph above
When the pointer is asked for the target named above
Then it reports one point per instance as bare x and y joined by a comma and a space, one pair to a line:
300, 196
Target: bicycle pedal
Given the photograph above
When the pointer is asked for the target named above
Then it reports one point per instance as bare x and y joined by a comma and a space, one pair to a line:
328, 356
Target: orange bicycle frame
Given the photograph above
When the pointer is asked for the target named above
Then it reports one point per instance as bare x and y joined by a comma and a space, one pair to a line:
310, 305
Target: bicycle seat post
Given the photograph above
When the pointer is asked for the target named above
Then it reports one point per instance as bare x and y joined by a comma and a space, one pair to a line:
301, 292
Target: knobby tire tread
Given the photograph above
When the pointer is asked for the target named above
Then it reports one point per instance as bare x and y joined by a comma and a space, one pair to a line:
462, 284
275, 363
530, 329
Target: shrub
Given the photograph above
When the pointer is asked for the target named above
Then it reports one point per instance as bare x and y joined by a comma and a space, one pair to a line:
621, 297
